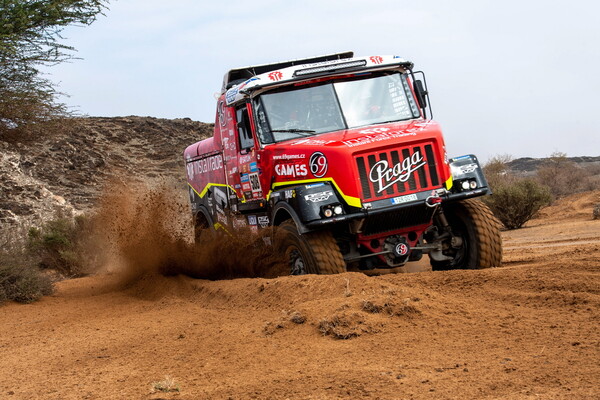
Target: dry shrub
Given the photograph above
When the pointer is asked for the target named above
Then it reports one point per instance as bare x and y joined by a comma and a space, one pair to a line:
20, 278
564, 177
517, 200
60, 244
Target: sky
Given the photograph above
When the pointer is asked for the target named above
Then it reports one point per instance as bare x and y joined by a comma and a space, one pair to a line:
519, 78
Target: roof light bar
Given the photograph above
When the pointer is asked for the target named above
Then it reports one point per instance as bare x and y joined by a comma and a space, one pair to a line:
333, 67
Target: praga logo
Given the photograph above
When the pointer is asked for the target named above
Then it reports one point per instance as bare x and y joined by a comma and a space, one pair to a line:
318, 164
385, 176
293, 170
275, 76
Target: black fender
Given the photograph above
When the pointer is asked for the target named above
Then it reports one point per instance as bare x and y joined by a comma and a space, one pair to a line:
284, 211
203, 211
306, 205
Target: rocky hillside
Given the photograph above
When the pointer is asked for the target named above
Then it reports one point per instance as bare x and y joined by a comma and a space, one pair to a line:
528, 165
67, 170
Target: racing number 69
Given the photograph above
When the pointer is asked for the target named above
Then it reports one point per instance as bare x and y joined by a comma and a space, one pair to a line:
318, 164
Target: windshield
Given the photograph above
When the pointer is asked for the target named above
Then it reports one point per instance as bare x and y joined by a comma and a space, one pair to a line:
325, 107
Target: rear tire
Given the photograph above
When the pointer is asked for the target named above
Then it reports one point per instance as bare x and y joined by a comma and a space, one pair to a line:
309, 253
475, 224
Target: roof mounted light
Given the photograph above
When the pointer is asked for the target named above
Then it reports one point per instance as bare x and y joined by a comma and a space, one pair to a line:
332, 67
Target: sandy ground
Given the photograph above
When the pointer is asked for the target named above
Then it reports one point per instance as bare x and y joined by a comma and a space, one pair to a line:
526, 330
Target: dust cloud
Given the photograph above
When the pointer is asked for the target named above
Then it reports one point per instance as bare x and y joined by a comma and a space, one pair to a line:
146, 228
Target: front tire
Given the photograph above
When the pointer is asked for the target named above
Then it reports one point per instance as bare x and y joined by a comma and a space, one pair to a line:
475, 225
309, 253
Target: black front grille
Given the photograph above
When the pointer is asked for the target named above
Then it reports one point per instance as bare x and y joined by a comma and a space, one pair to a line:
398, 171
404, 217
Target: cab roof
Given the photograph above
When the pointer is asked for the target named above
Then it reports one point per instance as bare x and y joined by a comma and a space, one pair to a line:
238, 82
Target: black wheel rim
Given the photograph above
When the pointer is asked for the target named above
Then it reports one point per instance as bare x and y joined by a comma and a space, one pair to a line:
297, 266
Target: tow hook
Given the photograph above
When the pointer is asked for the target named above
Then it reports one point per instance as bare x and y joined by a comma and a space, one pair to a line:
433, 201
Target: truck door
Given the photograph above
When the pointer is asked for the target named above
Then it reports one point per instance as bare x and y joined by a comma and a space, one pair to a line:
244, 175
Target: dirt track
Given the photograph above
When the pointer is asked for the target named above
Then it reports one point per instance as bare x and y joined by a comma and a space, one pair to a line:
527, 330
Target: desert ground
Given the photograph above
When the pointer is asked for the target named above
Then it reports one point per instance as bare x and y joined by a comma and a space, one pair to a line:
526, 330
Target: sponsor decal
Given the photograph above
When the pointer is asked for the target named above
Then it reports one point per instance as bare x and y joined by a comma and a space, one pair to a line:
243, 84
289, 156
275, 76
245, 178
237, 186
378, 137
246, 187
376, 59
221, 112
313, 185
220, 196
289, 193
312, 142
318, 197
293, 170
245, 159
263, 221
238, 223
385, 175
230, 95
205, 165
467, 169
254, 182
253, 167
401, 249
404, 199
252, 220
318, 164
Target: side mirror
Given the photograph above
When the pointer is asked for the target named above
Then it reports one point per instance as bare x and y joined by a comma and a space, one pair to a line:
421, 93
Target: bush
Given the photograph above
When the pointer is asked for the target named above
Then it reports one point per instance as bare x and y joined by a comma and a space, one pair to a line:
59, 243
23, 283
20, 278
564, 177
516, 200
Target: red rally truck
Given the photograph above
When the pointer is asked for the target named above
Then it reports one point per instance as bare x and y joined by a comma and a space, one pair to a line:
341, 155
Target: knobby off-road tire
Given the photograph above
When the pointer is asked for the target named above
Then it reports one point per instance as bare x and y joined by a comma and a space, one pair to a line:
475, 224
309, 253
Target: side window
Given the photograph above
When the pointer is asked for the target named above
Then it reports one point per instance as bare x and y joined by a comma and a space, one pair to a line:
243, 127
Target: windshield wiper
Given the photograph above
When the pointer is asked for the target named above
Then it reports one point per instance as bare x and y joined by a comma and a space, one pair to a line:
294, 131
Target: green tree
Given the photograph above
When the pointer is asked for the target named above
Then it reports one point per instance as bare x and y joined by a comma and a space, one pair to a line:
30, 37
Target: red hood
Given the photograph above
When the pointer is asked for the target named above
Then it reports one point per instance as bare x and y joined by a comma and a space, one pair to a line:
365, 138
364, 164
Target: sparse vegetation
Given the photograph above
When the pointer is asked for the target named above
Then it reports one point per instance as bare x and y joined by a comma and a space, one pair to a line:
564, 177
166, 385
516, 199
60, 244
20, 278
